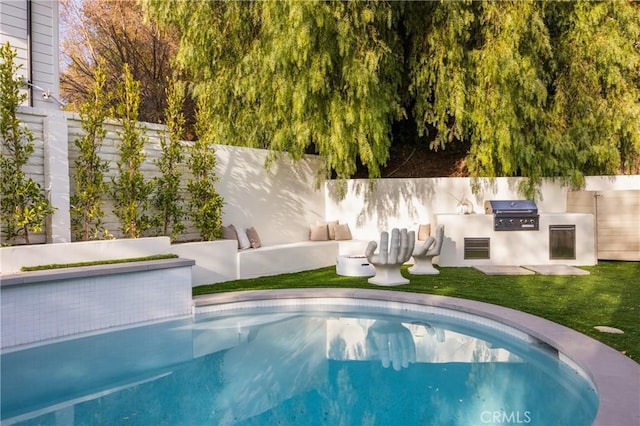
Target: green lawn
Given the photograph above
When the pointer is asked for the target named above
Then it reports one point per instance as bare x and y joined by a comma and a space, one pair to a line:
610, 295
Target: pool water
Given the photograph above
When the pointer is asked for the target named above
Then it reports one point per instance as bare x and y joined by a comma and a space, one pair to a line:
305, 365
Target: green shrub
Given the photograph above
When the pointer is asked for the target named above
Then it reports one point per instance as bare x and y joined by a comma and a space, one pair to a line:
24, 206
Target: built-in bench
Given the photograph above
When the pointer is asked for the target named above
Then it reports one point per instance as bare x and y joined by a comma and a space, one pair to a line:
294, 257
220, 260
215, 261
286, 258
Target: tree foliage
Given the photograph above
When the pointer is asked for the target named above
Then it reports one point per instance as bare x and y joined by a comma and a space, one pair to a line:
167, 197
294, 76
23, 204
131, 191
205, 204
535, 88
90, 186
597, 101
114, 33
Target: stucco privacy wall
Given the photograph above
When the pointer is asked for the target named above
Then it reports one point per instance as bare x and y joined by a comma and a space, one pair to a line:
404, 203
280, 201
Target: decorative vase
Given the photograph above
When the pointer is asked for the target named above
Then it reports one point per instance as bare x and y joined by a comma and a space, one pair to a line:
464, 207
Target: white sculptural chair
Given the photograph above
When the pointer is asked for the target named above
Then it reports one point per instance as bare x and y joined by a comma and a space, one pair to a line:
424, 254
390, 257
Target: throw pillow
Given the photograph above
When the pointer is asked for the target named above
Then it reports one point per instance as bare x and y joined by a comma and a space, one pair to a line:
229, 233
424, 231
318, 232
343, 232
254, 238
243, 240
331, 227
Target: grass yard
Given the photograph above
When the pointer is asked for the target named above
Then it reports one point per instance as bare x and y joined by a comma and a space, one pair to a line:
610, 295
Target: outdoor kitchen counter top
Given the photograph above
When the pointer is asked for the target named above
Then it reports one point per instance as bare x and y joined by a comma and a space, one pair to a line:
517, 247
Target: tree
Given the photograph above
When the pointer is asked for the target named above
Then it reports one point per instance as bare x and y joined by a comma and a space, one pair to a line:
114, 33
597, 90
438, 63
536, 89
131, 192
294, 76
167, 198
23, 204
508, 121
205, 203
89, 183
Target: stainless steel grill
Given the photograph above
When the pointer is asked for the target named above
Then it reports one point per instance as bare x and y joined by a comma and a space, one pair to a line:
513, 215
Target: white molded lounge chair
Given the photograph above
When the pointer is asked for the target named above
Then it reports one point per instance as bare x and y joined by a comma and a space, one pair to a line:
388, 261
423, 255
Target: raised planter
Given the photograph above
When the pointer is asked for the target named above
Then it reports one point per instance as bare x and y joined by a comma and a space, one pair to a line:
60, 302
15, 257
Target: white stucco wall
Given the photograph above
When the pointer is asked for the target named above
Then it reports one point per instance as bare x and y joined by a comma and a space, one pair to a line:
405, 203
280, 202
612, 183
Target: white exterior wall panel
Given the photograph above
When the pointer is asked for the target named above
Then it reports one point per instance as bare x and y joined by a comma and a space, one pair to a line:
13, 29
44, 44
43, 68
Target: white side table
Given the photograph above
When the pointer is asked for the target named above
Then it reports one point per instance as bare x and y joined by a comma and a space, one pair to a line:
354, 266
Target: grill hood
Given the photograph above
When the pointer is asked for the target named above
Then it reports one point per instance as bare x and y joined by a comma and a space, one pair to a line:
511, 207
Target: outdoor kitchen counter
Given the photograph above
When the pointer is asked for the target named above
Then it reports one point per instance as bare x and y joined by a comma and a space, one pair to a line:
516, 247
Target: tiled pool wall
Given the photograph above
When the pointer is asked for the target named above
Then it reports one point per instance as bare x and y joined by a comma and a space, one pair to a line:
38, 307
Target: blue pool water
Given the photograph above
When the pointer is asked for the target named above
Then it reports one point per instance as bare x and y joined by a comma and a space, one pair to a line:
304, 365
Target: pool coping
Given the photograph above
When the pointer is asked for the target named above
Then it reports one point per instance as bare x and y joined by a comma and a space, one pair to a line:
615, 376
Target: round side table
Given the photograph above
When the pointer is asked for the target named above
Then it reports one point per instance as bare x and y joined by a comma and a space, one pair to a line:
354, 266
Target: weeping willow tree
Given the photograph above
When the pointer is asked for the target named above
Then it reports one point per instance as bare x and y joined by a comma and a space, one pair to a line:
295, 76
500, 86
535, 89
596, 106
538, 89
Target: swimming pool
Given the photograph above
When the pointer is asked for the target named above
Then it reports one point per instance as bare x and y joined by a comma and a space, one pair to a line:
320, 360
